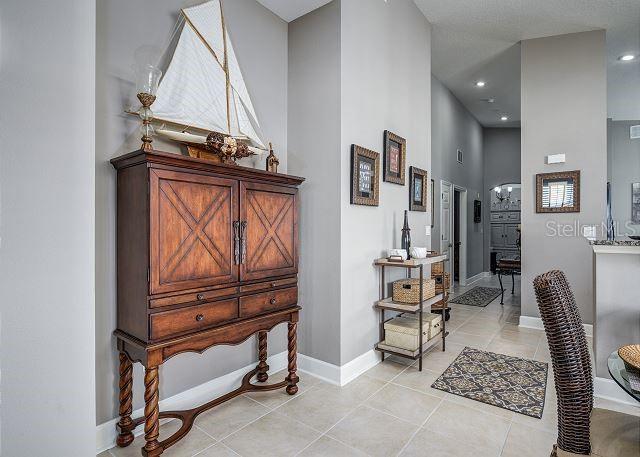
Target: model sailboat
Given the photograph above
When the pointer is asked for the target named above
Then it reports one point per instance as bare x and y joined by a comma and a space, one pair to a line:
203, 91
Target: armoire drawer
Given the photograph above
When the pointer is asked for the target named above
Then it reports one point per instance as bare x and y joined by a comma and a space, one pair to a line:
193, 318
268, 301
268, 285
192, 297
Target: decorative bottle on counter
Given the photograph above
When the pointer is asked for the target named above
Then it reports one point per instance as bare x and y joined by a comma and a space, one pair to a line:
611, 231
406, 234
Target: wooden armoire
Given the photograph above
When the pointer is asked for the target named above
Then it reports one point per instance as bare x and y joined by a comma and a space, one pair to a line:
207, 254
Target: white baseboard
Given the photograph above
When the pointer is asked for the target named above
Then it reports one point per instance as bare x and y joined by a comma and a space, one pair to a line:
474, 278
338, 375
106, 433
609, 390
536, 323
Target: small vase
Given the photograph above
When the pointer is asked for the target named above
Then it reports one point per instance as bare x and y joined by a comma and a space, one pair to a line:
406, 234
611, 233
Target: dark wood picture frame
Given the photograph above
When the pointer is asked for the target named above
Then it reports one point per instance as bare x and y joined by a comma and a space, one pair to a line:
418, 177
574, 175
395, 156
365, 172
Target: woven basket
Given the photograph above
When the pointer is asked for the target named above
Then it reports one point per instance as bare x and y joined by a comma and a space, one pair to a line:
436, 268
438, 280
408, 290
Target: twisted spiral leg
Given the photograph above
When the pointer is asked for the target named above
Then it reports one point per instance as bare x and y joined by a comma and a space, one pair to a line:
292, 379
151, 413
125, 425
262, 357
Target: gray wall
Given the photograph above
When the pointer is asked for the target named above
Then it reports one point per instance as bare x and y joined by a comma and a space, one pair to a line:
385, 84
454, 127
564, 102
624, 169
314, 152
501, 150
47, 227
260, 41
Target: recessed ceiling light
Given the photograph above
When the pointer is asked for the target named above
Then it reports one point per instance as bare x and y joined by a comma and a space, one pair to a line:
504, 118
627, 57
480, 83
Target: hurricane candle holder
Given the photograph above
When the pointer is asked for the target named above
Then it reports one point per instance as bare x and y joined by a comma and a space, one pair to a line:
147, 79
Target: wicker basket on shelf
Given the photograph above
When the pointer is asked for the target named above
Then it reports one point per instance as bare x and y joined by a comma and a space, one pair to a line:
408, 290
438, 279
436, 268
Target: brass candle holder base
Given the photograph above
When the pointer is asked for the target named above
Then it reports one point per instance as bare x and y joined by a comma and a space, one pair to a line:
146, 115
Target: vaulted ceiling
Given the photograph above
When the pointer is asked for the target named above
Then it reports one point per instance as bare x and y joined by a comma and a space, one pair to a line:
479, 40
473, 40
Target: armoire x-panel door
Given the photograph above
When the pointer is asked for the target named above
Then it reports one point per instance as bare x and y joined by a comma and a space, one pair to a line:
270, 237
191, 230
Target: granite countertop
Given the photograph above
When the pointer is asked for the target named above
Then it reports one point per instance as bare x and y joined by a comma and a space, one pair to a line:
616, 242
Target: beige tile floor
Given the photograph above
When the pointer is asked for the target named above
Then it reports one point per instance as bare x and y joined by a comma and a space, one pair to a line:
391, 410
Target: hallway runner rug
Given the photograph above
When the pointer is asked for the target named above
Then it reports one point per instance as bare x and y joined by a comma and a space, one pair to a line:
500, 380
478, 296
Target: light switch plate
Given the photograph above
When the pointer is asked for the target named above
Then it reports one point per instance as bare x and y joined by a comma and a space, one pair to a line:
427, 230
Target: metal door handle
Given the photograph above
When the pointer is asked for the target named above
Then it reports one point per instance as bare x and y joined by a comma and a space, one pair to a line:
243, 241
236, 242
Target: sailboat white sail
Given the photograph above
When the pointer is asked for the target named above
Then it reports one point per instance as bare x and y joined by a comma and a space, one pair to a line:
203, 86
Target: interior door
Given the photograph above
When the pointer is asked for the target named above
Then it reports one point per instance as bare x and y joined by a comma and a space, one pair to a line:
497, 235
511, 235
270, 235
446, 206
191, 230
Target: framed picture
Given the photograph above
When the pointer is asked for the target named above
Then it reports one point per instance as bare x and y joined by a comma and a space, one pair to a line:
433, 203
417, 189
395, 153
365, 169
558, 192
635, 202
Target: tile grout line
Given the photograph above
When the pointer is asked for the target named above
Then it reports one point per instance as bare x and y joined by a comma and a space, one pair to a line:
420, 427
506, 437
269, 411
202, 450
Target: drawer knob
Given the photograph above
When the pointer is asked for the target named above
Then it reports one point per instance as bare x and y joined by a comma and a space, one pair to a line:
272, 301
199, 317
200, 296
273, 284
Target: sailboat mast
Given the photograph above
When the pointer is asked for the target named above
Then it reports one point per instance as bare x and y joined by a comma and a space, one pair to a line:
226, 70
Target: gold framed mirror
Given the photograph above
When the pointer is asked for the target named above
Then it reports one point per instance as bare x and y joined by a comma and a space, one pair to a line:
558, 192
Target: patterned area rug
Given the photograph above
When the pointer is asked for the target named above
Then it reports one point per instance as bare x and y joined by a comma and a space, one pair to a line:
478, 296
500, 380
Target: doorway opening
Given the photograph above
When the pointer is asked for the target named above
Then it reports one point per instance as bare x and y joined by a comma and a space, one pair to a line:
456, 235
453, 240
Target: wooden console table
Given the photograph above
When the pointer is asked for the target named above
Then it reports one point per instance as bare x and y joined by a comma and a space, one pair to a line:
207, 254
